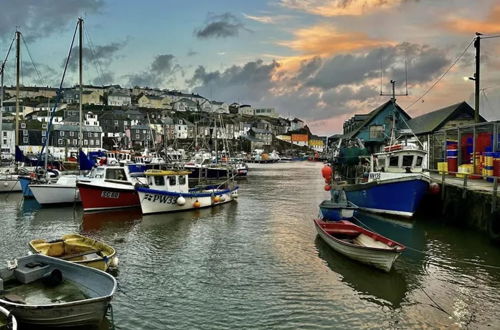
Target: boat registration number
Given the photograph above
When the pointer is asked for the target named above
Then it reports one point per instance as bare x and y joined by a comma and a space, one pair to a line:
161, 198
374, 176
110, 194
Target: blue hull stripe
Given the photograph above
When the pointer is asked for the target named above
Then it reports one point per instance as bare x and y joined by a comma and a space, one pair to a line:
171, 193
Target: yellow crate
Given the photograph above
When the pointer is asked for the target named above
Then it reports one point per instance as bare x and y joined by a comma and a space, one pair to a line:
465, 169
443, 167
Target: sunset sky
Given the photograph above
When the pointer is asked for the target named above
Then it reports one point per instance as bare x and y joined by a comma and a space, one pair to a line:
317, 60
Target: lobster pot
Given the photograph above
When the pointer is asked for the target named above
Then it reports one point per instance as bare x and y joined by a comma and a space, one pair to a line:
488, 158
488, 173
451, 157
496, 164
477, 157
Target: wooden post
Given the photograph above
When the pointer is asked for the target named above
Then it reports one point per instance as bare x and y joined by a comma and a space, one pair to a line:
464, 192
459, 147
442, 185
494, 196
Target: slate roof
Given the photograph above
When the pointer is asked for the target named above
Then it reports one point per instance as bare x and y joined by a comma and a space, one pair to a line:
433, 121
76, 128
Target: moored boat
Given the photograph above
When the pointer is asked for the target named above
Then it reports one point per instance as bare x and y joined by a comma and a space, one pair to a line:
45, 291
78, 249
64, 191
359, 243
168, 191
7, 320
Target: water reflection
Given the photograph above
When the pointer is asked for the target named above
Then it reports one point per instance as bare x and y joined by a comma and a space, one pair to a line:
387, 289
96, 221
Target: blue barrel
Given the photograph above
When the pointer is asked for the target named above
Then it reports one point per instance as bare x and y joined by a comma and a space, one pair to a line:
451, 153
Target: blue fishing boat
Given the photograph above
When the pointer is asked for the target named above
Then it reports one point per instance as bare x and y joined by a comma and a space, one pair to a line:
395, 184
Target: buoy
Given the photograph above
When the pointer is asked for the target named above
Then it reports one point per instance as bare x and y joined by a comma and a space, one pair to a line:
6, 184
222, 198
328, 187
326, 171
434, 188
181, 201
114, 262
196, 204
328, 180
234, 194
216, 199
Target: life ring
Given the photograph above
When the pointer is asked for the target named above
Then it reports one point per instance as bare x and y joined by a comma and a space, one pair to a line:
494, 226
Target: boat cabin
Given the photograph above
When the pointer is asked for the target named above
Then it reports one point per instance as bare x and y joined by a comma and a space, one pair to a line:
168, 180
117, 157
399, 161
109, 173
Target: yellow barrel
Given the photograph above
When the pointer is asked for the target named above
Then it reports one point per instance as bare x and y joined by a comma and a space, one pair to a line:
464, 170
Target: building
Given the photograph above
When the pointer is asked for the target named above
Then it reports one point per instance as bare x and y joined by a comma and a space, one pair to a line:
152, 101
246, 109
269, 112
300, 139
296, 124
72, 96
317, 143
8, 141
185, 104
262, 135
66, 136
140, 135
219, 107
119, 99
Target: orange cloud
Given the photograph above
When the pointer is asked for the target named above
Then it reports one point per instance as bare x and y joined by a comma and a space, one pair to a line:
324, 40
468, 26
331, 8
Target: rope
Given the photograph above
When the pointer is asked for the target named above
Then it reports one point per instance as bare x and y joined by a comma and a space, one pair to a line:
445, 258
31, 59
6, 57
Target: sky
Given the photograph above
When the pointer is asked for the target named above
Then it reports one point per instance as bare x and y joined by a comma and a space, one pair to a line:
321, 61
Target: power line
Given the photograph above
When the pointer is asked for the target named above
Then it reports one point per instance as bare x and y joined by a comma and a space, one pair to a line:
443, 75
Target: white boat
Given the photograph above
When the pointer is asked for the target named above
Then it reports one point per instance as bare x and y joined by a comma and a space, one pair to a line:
64, 191
168, 191
9, 183
46, 291
359, 244
7, 320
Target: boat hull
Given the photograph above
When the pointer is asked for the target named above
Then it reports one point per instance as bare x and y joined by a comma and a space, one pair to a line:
97, 197
46, 194
25, 181
157, 201
335, 212
380, 258
9, 184
399, 197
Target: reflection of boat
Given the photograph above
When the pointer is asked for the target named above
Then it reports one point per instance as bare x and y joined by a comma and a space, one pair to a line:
7, 320
94, 221
78, 249
41, 290
359, 244
168, 191
381, 288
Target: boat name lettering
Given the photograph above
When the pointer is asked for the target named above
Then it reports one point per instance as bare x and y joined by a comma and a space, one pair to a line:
375, 176
161, 198
110, 194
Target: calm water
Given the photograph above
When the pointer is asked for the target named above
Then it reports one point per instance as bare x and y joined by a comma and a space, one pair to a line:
257, 263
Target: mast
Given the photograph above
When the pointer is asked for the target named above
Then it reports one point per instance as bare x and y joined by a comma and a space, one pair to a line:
1, 102
80, 70
18, 73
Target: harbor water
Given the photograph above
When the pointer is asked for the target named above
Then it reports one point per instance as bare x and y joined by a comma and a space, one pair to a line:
258, 263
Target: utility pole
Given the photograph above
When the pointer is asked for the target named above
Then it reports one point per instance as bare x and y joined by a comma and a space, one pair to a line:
477, 45
18, 73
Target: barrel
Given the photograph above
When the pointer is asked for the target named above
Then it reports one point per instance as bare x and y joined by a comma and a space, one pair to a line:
496, 164
451, 157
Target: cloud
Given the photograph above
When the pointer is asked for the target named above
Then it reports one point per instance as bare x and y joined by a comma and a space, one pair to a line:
324, 40
100, 56
191, 53
462, 25
40, 18
161, 70
220, 26
331, 8
274, 19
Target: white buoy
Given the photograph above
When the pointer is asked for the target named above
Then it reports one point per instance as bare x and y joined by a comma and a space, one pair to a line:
114, 262
181, 201
6, 184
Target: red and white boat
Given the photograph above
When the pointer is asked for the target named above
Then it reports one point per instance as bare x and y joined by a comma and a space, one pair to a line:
359, 244
108, 188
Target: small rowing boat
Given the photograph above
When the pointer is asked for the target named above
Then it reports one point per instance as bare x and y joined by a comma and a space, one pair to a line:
45, 291
337, 208
359, 243
78, 249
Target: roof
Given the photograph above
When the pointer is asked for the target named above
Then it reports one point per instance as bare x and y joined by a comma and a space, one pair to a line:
260, 130
119, 94
372, 115
434, 120
76, 128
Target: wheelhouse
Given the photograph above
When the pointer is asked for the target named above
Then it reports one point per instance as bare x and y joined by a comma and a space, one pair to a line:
174, 181
400, 161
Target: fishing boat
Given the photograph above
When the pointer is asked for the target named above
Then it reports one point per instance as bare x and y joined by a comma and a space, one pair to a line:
78, 249
7, 320
109, 187
9, 183
46, 291
63, 191
337, 208
359, 243
168, 191
395, 184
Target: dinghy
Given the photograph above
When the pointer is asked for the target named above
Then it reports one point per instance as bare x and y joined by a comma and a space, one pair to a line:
337, 208
46, 291
7, 320
359, 244
78, 249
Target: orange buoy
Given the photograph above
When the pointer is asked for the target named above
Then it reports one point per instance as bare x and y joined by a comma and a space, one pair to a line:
327, 171
196, 204
216, 199
328, 187
434, 188
328, 180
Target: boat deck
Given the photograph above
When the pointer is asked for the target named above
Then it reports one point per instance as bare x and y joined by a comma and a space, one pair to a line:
37, 293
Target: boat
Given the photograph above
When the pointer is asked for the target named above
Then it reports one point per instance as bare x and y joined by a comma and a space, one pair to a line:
395, 183
50, 292
168, 191
9, 183
7, 320
359, 243
337, 208
63, 191
202, 166
78, 249
109, 187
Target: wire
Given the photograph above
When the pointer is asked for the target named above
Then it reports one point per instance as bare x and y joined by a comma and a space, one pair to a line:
31, 58
2, 69
490, 37
96, 63
443, 75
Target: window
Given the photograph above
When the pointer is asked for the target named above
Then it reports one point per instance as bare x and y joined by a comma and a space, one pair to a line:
116, 174
377, 132
44, 133
75, 142
419, 161
4, 141
25, 132
182, 179
85, 142
4, 134
171, 180
393, 161
43, 140
60, 142
61, 133
23, 125
25, 140
137, 136
159, 180
71, 133
407, 161
91, 142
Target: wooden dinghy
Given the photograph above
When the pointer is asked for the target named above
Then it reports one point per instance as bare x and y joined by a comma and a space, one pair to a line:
359, 244
50, 292
78, 249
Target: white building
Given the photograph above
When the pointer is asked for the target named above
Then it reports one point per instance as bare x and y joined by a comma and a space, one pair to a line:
91, 119
219, 107
119, 99
246, 109
269, 112
181, 129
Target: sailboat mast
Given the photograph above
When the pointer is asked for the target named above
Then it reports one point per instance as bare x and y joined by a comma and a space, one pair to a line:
18, 74
80, 69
